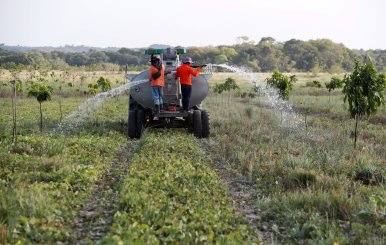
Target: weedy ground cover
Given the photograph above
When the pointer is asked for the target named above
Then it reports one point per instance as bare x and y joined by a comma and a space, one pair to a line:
44, 181
110, 116
171, 194
46, 178
312, 185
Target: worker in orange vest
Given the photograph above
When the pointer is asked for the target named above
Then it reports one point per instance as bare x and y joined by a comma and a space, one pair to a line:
184, 72
157, 79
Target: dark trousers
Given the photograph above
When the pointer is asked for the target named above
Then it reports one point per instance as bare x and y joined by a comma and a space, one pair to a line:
186, 91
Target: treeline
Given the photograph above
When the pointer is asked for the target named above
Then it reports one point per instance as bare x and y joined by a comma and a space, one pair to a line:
65, 49
62, 60
322, 55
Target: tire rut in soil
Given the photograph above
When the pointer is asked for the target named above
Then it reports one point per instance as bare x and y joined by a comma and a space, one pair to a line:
95, 218
243, 194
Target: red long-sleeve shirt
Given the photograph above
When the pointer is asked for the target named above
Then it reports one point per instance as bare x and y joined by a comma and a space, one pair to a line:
184, 72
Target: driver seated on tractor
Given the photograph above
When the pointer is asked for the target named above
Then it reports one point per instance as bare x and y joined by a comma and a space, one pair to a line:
157, 79
184, 72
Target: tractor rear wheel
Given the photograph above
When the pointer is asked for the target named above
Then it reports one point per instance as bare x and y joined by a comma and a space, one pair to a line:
132, 124
197, 123
205, 120
189, 122
140, 122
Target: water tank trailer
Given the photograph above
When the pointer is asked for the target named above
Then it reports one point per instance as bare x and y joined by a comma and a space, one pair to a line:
141, 113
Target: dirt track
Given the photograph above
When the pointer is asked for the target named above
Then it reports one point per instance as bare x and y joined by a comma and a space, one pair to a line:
95, 218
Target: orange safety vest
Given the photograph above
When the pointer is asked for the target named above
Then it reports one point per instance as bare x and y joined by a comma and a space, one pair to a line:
159, 81
184, 72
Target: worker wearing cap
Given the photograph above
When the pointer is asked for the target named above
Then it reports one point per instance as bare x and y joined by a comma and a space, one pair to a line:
157, 79
184, 72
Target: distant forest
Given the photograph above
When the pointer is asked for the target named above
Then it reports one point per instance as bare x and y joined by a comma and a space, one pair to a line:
267, 55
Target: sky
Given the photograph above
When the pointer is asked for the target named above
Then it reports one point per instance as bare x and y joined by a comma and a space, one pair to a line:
358, 24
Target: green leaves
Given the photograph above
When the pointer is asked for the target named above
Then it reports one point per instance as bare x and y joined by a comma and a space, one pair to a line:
93, 89
363, 89
228, 85
282, 82
171, 194
334, 84
40, 91
45, 181
104, 84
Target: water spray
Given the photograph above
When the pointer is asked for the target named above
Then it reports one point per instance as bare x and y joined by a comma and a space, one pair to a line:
287, 115
76, 118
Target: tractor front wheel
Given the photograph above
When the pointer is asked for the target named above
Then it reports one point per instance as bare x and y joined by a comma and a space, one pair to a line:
132, 124
205, 121
197, 123
140, 122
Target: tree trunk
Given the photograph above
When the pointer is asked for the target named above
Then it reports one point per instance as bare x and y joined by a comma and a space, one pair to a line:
60, 110
60, 102
14, 139
305, 123
41, 117
356, 131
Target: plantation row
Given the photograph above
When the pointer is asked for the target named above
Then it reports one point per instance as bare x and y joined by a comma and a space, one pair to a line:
171, 195
305, 184
44, 181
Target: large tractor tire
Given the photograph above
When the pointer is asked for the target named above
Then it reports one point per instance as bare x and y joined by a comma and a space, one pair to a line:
140, 123
132, 124
189, 122
133, 105
205, 121
197, 123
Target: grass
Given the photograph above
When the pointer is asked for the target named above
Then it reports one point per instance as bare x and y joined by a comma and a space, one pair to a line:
45, 179
315, 188
312, 186
28, 115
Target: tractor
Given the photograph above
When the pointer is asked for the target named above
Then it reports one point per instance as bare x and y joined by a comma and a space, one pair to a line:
141, 114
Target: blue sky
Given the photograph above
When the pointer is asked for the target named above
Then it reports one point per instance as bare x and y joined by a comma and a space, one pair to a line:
140, 23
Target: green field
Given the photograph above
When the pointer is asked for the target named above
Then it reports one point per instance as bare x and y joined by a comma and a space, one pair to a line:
255, 179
